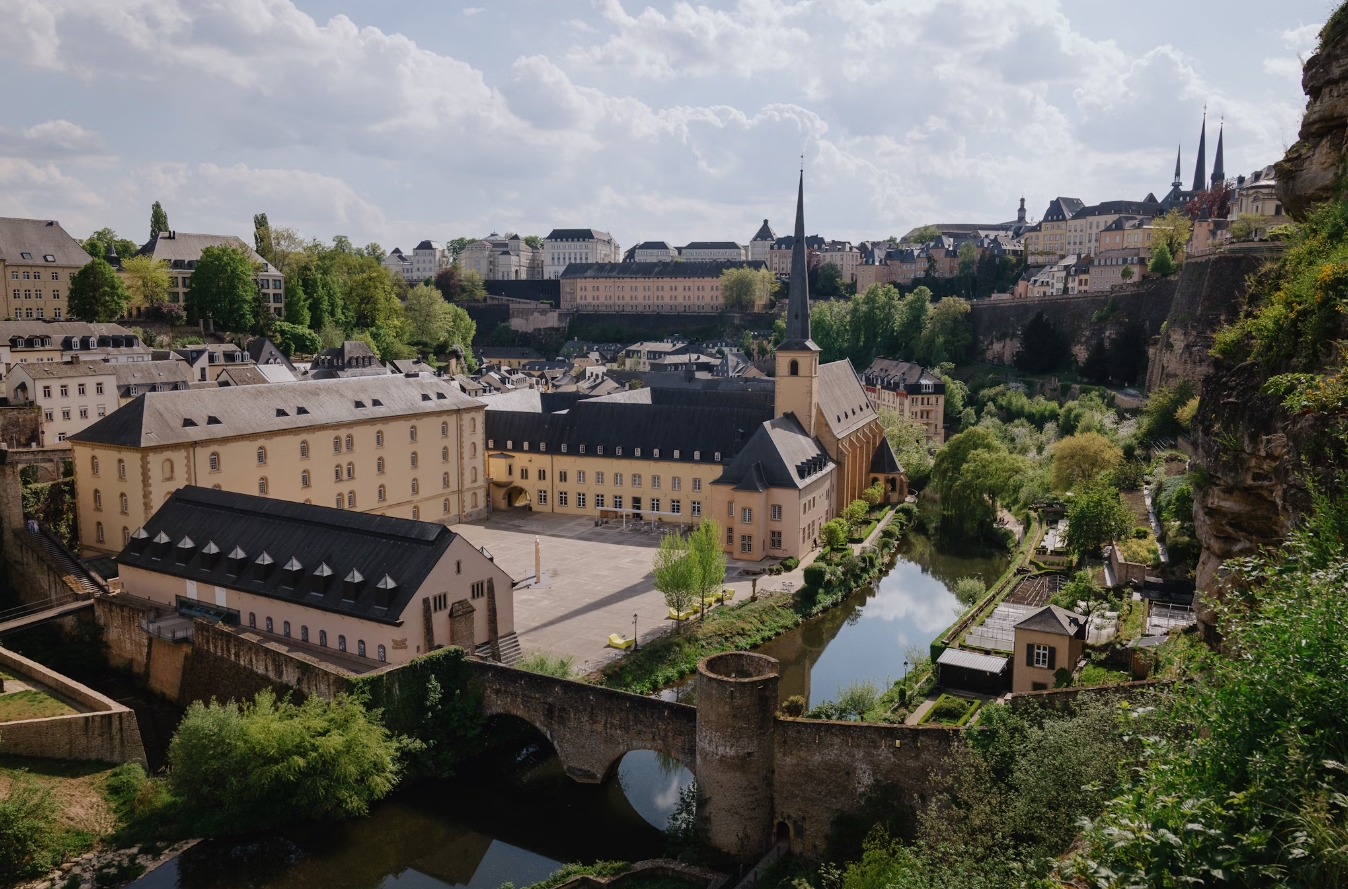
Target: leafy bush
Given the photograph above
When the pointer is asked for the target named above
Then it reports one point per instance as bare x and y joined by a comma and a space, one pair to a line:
567, 872
293, 339
816, 574
562, 666
27, 829
1140, 533
794, 706
255, 765
970, 589
948, 709
790, 563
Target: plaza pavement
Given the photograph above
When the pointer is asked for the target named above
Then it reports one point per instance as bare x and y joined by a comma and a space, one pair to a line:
598, 578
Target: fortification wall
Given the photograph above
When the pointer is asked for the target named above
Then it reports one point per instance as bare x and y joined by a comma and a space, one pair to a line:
106, 732
230, 663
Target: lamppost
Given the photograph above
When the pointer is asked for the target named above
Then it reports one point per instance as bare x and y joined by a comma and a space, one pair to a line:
905, 672
634, 632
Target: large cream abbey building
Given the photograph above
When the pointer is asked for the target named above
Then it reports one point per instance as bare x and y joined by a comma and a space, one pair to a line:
769, 466
390, 445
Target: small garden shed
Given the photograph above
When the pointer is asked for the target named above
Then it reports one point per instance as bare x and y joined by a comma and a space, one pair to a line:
970, 671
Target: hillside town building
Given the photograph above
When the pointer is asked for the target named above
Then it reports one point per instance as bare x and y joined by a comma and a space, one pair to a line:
182, 251
911, 391
390, 445
565, 246
498, 258
362, 589
712, 251
45, 342
647, 286
37, 260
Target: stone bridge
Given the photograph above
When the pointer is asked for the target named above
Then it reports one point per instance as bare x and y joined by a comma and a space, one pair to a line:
764, 778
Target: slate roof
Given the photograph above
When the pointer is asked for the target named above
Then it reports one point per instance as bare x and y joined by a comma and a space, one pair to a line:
39, 238
764, 233
243, 375
842, 400
1052, 619
971, 660
653, 245
60, 330
137, 377
709, 269
51, 370
264, 351
159, 418
889, 373
374, 546
577, 234
779, 454
187, 246
884, 461
1104, 208
710, 245
429, 245
1061, 209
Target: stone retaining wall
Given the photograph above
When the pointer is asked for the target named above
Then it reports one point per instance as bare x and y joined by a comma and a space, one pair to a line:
108, 732
1062, 697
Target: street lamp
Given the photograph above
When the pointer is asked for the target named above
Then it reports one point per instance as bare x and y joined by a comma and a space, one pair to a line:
634, 632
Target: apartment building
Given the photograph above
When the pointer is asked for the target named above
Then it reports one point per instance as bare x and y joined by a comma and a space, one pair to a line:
911, 391
68, 397
45, 342
37, 260
357, 590
1107, 268
390, 445
566, 246
502, 258
652, 251
1086, 227
760, 245
1047, 240
647, 286
182, 251
780, 254
712, 251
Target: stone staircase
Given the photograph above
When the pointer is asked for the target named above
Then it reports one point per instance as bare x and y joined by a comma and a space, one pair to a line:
44, 540
510, 649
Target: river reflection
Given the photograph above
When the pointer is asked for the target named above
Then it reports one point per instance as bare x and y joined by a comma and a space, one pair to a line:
868, 636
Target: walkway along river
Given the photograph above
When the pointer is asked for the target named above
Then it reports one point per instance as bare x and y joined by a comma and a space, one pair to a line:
514, 816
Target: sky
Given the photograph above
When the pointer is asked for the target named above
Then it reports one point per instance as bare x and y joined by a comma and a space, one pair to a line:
398, 121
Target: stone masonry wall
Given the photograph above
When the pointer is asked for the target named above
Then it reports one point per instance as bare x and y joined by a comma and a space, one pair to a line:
823, 768
229, 663
107, 732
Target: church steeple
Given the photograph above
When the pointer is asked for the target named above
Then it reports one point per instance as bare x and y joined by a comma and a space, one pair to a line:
797, 358
1202, 154
1218, 168
1178, 182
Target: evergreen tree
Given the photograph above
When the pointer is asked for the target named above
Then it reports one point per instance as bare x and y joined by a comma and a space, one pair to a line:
262, 237
297, 302
97, 293
158, 220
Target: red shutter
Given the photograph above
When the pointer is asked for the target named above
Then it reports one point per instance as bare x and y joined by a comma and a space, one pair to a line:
1029, 654
1052, 657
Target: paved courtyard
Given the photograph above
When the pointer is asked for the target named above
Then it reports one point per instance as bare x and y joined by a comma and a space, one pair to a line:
598, 577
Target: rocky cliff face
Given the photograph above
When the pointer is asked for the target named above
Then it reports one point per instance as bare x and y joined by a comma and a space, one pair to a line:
1313, 170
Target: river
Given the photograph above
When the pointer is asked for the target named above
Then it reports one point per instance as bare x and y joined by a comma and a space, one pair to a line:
515, 817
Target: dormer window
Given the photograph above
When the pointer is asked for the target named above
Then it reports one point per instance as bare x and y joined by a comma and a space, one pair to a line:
618, 451
717, 457
510, 444
582, 449
599, 449
697, 455
655, 452
563, 447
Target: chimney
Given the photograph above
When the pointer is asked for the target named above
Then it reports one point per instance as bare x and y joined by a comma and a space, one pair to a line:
235, 561
292, 573
352, 585
322, 576
138, 541
264, 563
210, 554
74, 359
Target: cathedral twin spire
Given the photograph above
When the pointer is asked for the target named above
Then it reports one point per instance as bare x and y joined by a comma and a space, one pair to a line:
798, 306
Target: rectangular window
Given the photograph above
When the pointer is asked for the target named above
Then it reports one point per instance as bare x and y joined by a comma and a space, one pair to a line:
84, 413
776, 512
562, 498
478, 589
655, 481
697, 509
80, 389
617, 501
676, 483
730, 510
617, 479
676, 506
524, 472
729, 536
47, 415
697, 484
580, 477
1041, 656
747, 516
542, 475
598, 501
746, 543
599, 478
580, 499
655, 504
98, 388
65, 413
561, 476
46, 391
636, 479
775, 539
65, 391
542, 498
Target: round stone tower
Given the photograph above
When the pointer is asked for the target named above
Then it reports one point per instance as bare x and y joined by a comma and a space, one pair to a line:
736, 718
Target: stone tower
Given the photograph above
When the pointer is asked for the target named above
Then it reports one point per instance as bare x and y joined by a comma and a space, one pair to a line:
797, 358
736, 749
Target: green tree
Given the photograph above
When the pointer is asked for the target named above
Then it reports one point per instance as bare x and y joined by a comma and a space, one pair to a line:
1127, 273
158, 220
871, 323
855, 514
968, 259
973, 473
428, 316
147, 280
372, 302
297, 302
674, 572
447, 282
97, 293
834, 533
704, 548
1097, 515
455, 246
908, 438
472, 286
830, 328
1160, 416
874, 494
462, 329
1081, 457
947, 334
911, 321
745, 289
295, 339
27, 829
262, 236
922, 234
1172, 232
534, 241
829, 280
222, 288
1096, 366
1162, 263
259, 764
374, 251
97, 244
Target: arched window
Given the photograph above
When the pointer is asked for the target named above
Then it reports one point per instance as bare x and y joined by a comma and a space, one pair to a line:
379, 438
472, 473
444, 506
341, 643
383, 656
304, 450
444, 480
262, 486
337, 472
382, 494
379, 466
215, 462
270, 626
252, 620
304, 479
126, 504
416, 513
126, 535
168, 470
444, 430
336, 444
360, 647
323, 638
444, 455
340, 501
350, 443
98, 499
98, 531
795, 368
285, 629
350, 499
121, 469
414, 459
472, 424
93, 463
415, 487
261, 456
412, 434
304, 633
472, 449
350, 470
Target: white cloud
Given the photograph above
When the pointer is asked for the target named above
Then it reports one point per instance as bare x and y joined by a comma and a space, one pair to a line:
473, 10
52, 137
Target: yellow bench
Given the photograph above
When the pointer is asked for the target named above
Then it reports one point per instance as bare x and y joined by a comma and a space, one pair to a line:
728, 594
616, 641
681, 615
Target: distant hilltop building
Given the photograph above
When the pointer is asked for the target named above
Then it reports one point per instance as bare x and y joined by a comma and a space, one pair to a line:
427, 258
647, 286
564, 246
182, 251
503, 258
37, 260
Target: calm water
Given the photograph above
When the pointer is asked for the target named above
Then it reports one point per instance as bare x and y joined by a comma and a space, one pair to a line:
869, 636
515, 817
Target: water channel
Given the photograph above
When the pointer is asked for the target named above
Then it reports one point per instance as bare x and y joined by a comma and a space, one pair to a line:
515, 817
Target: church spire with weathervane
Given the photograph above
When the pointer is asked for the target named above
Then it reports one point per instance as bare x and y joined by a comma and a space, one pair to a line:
1202, 153
797, 358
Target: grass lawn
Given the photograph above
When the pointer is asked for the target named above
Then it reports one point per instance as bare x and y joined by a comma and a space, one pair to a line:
950, 710
31, 704
1094, 674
